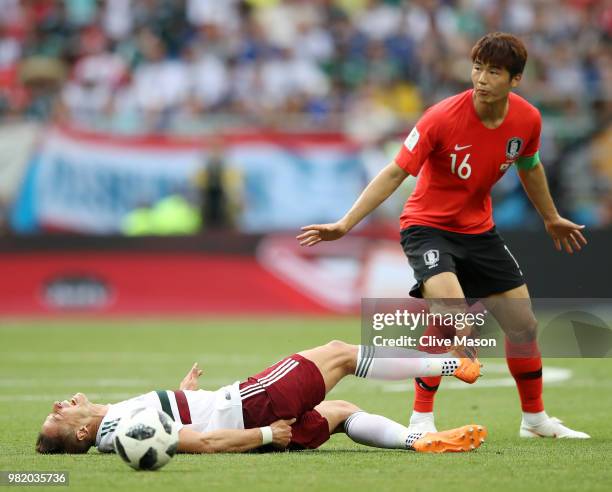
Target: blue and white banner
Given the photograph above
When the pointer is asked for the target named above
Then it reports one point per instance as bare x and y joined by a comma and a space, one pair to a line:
88, 183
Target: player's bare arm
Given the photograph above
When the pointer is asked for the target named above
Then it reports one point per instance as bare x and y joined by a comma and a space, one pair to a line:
233, 440
379, 189
565, 234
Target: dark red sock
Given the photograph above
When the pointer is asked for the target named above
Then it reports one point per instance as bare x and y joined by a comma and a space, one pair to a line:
525, 364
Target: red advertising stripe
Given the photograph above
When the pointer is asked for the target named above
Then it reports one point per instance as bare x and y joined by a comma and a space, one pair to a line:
174, 142
145, 283
183, 407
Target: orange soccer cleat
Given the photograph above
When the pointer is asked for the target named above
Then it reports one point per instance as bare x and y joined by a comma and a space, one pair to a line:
466, 438
468, 370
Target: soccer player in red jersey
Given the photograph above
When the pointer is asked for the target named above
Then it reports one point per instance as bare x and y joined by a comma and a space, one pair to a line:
459, 149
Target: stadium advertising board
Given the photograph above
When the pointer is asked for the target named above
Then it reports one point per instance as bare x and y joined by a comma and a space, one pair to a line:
85, 182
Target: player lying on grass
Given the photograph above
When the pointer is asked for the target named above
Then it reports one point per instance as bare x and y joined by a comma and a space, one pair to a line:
281, 407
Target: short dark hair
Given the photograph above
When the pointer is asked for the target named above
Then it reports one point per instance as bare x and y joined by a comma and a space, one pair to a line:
60, 444
503, 50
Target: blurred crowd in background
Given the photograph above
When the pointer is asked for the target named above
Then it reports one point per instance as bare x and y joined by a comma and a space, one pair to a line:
366, 67
167, 59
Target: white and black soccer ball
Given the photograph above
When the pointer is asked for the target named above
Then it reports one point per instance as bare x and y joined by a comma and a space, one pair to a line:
146, 439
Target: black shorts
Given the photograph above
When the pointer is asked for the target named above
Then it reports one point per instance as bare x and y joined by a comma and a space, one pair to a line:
482, 262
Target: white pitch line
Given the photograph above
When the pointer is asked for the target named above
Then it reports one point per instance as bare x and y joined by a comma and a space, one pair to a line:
29, 382
551, 375
205, 383
106, 397
185, 359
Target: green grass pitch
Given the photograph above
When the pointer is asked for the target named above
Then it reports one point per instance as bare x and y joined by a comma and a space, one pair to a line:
109, 360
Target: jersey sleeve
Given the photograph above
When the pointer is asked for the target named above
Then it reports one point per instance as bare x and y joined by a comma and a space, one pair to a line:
106, 431
530, 157
419, 144
106, 442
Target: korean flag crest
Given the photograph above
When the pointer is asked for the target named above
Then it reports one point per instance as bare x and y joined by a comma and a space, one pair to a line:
513, 148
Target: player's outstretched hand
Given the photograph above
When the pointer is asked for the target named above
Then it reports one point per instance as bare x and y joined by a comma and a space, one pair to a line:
566, 235
316, 233
281, 433
190, 381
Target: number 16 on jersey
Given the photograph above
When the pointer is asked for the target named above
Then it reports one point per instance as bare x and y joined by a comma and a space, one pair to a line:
464, 171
